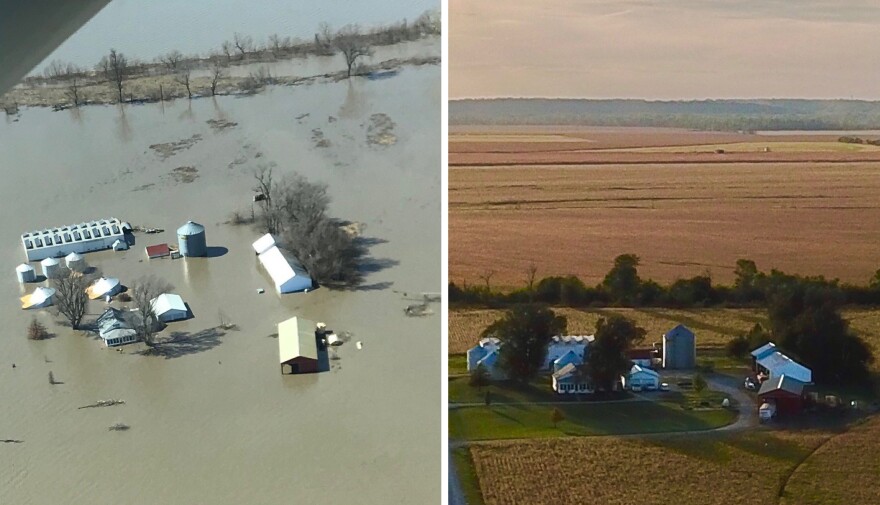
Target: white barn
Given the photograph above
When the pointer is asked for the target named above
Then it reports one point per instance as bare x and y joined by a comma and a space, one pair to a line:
169, 307
78, 238
287, 274
641, 377
561, 345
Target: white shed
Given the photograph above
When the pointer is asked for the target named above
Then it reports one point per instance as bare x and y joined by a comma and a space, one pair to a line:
287, 274
644, 378
264, 243
169, 307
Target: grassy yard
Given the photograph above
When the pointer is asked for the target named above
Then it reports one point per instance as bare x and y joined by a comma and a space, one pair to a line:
709, 469
457, 364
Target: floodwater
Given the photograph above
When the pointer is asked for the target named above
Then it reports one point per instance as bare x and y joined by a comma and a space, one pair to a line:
213, 420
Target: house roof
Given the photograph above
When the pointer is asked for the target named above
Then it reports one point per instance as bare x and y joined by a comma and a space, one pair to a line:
280, 267
158, 250
570, 354
489, 359
564, 372
264, 243
166, 302
296, 338
117, 333
764, 350
782, 383
639, 369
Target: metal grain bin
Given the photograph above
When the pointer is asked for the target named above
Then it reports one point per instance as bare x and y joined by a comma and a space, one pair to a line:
191, 240
26, 273
679, 348
51, 266
75, 262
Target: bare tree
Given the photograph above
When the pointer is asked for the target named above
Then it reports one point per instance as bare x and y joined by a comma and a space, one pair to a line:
227, 49
352, 44
73, 92
172, 60
217, 72
486, 277
143, 292
275, 44
116, 70
70, 298
324, 40
531, 274
243, 43
270, 217
183, 77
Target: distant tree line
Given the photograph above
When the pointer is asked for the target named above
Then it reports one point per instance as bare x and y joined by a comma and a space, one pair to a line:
623, 287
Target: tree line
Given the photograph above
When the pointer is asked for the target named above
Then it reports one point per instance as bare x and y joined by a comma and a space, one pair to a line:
623, 287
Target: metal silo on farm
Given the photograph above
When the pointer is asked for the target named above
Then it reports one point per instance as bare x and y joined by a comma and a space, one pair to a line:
679, 348
51, 266
26, 273
75, 262
191, 239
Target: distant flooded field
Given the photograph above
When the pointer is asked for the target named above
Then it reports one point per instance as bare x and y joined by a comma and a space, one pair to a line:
212, 420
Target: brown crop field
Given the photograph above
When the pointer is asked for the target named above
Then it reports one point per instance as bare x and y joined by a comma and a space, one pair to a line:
682, 220
713, 327
729, 469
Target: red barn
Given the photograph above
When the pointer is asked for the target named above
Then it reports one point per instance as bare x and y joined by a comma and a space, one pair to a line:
786, 393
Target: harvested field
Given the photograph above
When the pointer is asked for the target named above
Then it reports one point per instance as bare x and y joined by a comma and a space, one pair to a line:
713, 327
682, 220
710, 469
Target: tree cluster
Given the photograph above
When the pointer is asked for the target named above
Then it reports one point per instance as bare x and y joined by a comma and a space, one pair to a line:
295, 211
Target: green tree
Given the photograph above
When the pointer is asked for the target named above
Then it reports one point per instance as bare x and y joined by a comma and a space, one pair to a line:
479, 377
556, 416
607, 359
525, 332
622, 282
699, 383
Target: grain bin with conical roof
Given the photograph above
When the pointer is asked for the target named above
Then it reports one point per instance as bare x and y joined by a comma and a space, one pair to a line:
26, 273
51, 267
75, 262
191, 240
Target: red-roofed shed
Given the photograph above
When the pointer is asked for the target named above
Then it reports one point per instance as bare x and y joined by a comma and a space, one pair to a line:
158, 251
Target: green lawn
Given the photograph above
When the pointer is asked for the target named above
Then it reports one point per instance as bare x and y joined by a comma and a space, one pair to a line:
467, 475
500, 421
458, 364
540, 390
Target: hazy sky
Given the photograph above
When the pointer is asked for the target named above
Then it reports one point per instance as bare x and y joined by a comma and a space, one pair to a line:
147, 28
665, 49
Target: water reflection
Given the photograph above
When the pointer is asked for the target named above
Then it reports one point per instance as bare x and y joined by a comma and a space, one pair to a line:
123, 127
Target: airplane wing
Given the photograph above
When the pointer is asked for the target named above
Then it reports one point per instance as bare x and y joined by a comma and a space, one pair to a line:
31, 29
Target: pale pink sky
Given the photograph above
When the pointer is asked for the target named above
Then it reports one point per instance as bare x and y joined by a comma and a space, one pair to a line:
665, 49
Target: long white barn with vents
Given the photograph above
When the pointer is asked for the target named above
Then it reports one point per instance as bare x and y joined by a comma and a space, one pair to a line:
74, 238
286, 272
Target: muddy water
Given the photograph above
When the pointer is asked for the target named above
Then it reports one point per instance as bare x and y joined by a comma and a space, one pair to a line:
213, 420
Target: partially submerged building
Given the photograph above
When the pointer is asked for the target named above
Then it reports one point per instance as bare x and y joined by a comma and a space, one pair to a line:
79, 238
104, 287
51, 267
75, 262
115, 327
298, 346
169, 307
191, 240
41, 297
286, 272
25, 273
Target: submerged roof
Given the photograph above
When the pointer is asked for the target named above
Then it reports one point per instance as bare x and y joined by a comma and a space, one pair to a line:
167, 302
296, 339
103, 287
280, 267
264, 243
782, 383
40, 296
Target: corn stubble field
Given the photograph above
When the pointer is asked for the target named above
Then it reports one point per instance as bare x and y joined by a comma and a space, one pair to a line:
788, 468
682, 219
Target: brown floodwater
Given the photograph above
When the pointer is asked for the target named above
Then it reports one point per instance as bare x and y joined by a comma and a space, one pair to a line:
213, 420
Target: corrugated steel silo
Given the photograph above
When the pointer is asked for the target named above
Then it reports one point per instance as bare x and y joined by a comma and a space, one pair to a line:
679, 348
75, 262
26, 273
51, 266
191, 240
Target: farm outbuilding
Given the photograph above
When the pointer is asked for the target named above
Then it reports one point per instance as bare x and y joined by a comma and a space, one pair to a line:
78, 238
169, 307
786, 393
51, 267
298, 345
264, 243
679, 348
644, 378
563, 344
191, 240
158, 251
287, 273
103, 287
41, 297
776, 364
25, 273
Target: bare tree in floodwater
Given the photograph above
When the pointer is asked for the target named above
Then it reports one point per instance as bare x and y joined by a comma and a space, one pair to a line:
183, 78
171, 60
352, 44
143, 292
73, 92
217, 73
70, 297
278, 45
116, 70
243, 43
270, 217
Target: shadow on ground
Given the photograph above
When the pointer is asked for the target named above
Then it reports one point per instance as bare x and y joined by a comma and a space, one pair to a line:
183, 343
